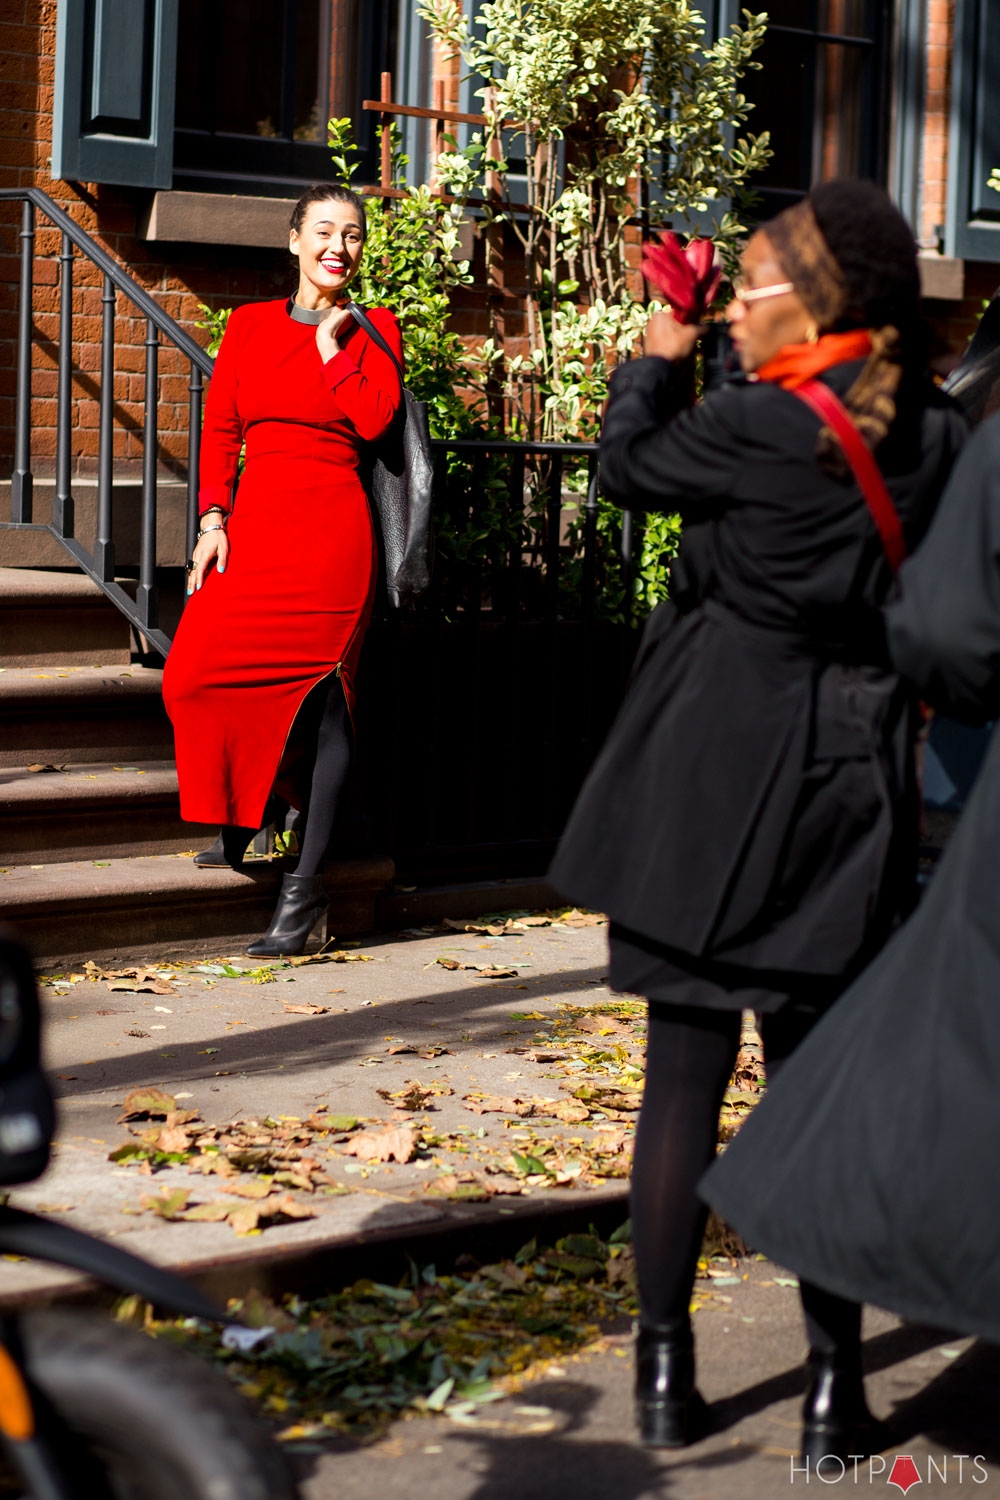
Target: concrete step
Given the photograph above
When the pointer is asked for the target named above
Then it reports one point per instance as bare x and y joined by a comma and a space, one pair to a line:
64, 715
128, 909
60, 619
94, 811
36, 549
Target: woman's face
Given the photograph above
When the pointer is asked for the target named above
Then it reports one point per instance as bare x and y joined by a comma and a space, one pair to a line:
761, 326
328, 247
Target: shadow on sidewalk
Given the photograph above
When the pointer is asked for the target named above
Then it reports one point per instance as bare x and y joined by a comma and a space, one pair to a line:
959, 1409
335, 1038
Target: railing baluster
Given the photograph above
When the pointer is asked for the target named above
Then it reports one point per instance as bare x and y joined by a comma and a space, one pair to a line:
553, 521
515, 499
104, 547
146, 601
590, 540
21, 480
626, 549
63, 518
194, 455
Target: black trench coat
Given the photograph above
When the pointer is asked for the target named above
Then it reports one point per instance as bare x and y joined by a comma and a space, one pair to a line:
871, 1165
754, 802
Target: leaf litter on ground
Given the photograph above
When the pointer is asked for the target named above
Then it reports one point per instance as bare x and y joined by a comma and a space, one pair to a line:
595, 1053
354, 1360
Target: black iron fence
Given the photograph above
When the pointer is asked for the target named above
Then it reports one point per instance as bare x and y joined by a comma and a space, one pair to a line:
480, 708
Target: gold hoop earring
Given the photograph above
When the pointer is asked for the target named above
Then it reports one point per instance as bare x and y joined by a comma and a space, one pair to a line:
812, 334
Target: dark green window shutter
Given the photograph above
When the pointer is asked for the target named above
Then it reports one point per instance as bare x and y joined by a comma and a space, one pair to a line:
973, 221
114, 90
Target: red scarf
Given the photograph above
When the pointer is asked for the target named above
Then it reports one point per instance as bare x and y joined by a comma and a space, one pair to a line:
794, 364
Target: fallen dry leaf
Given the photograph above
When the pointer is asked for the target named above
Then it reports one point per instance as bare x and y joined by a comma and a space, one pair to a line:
256, 1188
502, 1184
147, 1103
208, 1213
137, 981
464, 1186
306, 1010
604, 1098
220, 1165
170, 1204
497, 1104
174, 1138
341, 956
394, 1143
494, 971
414, 1096
601, 1026
246, 1218
570, 1112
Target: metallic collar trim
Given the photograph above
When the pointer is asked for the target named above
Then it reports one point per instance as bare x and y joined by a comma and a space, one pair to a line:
311, 315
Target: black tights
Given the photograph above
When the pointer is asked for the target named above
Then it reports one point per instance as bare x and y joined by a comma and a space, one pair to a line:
689, 1062
327, 725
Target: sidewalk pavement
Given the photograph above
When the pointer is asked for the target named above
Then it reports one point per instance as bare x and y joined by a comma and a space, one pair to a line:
491, 1063
569, 1434
328, 1037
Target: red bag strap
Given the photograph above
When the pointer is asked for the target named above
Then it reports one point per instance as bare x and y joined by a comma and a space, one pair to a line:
827, 405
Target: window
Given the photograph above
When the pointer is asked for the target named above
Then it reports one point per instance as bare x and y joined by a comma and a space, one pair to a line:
973, 220
821, 93
257, 81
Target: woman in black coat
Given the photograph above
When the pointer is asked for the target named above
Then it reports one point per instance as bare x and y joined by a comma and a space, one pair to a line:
881, 1183
750, 825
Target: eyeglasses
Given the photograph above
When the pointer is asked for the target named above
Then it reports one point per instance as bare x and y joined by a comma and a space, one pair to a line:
747, 295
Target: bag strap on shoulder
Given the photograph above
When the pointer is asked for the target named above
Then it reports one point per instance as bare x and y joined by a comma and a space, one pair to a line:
366, 323
828, 406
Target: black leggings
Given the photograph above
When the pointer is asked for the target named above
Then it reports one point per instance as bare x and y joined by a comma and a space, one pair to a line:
332, 761
689, 1062
325, 724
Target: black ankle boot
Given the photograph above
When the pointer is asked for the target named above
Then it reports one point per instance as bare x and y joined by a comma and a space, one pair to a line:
669, 1411
228, 850
303, 900
835, 1415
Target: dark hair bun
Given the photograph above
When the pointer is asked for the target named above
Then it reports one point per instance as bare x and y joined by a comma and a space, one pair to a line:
875, 249
326, 192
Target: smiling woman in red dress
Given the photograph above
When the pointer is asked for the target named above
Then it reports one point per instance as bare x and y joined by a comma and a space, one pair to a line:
284, 571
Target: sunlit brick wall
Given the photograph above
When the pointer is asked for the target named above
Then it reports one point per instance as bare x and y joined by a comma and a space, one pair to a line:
177, 281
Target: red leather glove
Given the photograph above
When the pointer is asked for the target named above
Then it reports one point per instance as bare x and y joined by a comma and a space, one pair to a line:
686, 275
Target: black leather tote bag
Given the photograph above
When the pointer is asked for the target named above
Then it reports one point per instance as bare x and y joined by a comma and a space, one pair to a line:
401, 481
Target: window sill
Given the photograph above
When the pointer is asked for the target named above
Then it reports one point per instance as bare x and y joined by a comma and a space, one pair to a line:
942, 277
218, 219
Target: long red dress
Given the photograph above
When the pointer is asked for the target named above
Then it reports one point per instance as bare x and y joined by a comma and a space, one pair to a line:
296, 596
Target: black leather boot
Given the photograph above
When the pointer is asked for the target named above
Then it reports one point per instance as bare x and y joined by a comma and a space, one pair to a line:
303, 900
670, 1413
228, 850
835, 1415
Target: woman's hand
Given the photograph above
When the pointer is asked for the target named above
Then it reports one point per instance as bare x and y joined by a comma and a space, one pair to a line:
327, 331
668, 338
212, 547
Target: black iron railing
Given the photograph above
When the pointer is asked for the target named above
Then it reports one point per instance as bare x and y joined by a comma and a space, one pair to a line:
535, 532
142, 611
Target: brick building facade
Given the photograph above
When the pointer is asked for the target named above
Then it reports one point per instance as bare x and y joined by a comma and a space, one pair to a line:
202, 230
